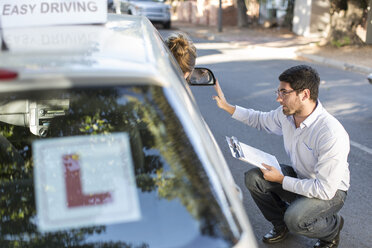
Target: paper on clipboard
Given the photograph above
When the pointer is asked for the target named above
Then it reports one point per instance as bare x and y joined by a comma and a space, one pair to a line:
251, 155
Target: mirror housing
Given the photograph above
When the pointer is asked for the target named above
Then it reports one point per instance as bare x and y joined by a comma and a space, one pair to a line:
35, 115
201, 77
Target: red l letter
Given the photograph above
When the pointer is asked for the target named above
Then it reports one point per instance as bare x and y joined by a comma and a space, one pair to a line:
75, 196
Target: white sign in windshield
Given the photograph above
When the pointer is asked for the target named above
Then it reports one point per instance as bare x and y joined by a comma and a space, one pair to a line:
84, 181
25, 13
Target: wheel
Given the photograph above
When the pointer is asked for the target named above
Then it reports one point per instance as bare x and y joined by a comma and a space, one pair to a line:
167, 25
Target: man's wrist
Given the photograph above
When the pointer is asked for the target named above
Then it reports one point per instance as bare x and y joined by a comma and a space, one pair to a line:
229, 108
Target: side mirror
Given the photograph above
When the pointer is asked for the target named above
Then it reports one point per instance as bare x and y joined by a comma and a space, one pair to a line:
201, 77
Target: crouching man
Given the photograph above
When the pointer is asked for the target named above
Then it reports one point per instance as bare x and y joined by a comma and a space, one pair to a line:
307, 197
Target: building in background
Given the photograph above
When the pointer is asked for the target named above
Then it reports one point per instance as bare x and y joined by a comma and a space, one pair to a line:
205, 12
272, 12
311, 18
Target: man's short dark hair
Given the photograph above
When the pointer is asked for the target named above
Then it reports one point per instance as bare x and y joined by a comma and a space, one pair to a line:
302, 77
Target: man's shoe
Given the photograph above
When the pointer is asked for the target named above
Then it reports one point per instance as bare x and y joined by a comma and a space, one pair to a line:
327, 244
334, 242
275, 235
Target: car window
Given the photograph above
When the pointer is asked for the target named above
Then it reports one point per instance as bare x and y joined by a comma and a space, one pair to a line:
176, 204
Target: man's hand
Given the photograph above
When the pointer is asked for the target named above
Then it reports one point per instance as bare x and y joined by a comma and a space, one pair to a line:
272, 174
221, 100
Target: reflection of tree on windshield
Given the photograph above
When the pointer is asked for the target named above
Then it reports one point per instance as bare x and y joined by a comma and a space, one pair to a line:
17, 204
158, 145
188, 182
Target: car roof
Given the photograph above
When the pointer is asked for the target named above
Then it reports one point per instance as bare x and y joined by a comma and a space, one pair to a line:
125, 46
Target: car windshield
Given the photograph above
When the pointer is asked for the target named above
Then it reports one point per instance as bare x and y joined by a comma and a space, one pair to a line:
129, 174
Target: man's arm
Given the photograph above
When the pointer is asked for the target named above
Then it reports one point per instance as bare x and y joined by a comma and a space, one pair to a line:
268, 121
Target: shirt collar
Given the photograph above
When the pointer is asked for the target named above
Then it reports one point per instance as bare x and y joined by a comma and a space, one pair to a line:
313, 116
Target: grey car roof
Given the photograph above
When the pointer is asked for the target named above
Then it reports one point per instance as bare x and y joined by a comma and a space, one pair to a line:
124, 47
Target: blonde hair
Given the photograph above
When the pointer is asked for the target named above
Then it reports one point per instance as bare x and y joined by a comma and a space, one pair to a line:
183, 51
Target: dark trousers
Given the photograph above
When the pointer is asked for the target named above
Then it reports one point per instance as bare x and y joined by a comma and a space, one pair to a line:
311, 217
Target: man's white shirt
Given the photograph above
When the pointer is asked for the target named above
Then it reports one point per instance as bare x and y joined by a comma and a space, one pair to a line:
318, 149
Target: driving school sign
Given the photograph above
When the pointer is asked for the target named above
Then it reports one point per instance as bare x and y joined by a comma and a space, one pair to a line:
84, 181
23, 13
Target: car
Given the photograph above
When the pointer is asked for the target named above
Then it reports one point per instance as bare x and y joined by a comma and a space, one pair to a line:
103, 145
156, 11
110, 4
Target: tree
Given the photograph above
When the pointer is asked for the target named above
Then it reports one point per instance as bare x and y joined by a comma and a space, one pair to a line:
289, 14
346, 15
242, 13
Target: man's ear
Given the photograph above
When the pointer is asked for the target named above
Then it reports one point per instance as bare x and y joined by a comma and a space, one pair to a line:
305, 95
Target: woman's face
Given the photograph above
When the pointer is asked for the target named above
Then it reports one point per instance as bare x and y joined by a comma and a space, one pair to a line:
187, 74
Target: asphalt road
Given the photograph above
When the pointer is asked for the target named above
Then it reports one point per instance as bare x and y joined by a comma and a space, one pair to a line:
248, 77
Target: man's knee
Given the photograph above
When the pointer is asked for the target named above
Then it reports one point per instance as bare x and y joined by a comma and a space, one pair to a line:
297, 220
291, 219
252, 178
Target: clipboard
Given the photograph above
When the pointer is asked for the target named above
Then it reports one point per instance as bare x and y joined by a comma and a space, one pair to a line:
251, 155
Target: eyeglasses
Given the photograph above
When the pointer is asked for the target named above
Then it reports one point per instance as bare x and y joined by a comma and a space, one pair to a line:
283, 93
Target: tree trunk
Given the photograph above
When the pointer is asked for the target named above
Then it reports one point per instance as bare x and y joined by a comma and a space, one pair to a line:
242, 13
369, 27
288, 18
346, 15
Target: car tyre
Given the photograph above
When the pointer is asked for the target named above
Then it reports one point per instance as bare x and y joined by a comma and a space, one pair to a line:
167, 25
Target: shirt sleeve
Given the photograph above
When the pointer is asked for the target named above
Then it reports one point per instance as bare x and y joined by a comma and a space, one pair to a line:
329, 170
268, 121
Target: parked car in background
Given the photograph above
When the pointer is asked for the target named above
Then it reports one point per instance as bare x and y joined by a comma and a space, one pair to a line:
103, 145
156, 11
110, 4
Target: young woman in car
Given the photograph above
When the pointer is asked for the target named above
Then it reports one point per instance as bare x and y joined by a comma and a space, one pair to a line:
183, 50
